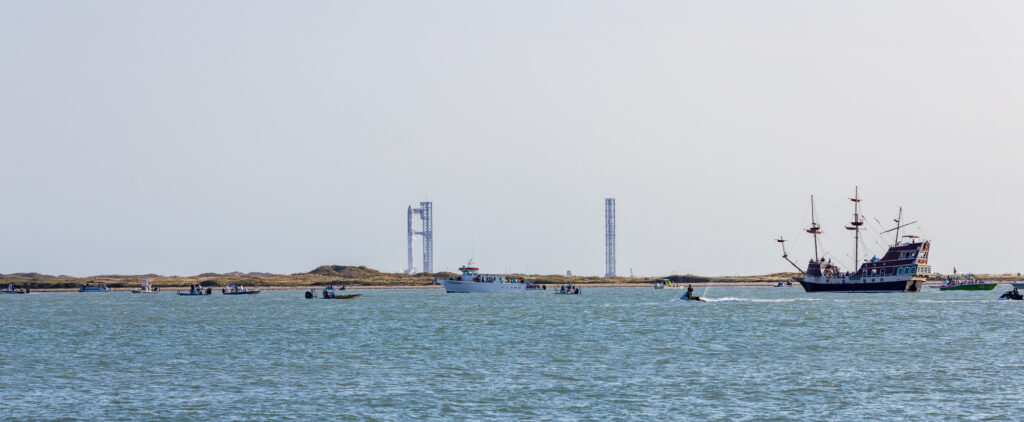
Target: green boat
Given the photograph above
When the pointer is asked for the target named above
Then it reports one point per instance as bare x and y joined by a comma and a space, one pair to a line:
965, 282
979, 286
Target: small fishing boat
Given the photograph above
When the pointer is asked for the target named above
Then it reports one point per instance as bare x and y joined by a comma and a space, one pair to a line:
11, 290
784, 284
196, 290
238, 290
147, 287
568, 290
1018, 285
94, 286
343, 297
330, 292
965, 282
471, 281
665, 283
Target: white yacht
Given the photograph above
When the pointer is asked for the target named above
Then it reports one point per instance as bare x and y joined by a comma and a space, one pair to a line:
95, 286
147, 287
471, 281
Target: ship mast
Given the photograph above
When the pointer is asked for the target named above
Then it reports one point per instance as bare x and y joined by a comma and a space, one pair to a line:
855, 226
898, 219
815, 230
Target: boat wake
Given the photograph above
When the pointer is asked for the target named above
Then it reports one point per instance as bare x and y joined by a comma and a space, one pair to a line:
742, 299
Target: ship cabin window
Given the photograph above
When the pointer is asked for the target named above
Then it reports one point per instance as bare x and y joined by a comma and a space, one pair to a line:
924, 254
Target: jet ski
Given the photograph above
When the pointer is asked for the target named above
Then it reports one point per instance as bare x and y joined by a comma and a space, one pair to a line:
1011, 295
691, 298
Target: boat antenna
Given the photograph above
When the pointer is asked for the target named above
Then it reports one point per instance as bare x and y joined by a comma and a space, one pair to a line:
855, 226
815, 230
786, 256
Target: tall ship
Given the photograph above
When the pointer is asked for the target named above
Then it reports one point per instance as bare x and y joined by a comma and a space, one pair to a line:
471, 281
903, 268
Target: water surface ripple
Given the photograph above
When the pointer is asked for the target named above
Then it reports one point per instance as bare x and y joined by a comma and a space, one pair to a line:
753, 353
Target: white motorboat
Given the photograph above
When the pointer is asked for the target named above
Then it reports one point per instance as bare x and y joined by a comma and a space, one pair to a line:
471, 281
238, 290
95, 286
330, 292
11, 290
147, 287
664, 283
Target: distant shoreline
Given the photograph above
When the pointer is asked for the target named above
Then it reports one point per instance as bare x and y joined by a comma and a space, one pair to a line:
367, 278
171, 289
353, 276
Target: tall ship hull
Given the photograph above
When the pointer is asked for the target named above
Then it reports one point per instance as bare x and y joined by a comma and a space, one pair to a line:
869, 287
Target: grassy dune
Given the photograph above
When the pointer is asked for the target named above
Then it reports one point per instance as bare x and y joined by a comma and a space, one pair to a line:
350, 275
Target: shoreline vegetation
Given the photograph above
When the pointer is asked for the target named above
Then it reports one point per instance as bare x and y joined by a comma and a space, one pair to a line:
363, 277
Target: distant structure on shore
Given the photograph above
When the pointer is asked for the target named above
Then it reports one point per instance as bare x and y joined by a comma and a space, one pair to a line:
609, 237
426, 214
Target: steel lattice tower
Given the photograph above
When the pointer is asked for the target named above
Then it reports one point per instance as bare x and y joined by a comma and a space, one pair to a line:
426, 214
609, 237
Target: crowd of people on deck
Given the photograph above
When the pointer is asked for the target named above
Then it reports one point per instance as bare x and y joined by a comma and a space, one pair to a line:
234, 288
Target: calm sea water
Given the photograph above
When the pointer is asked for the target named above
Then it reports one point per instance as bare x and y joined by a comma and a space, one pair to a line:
611, 354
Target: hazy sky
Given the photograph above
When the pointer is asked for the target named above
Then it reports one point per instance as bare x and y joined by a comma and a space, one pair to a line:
180, 137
